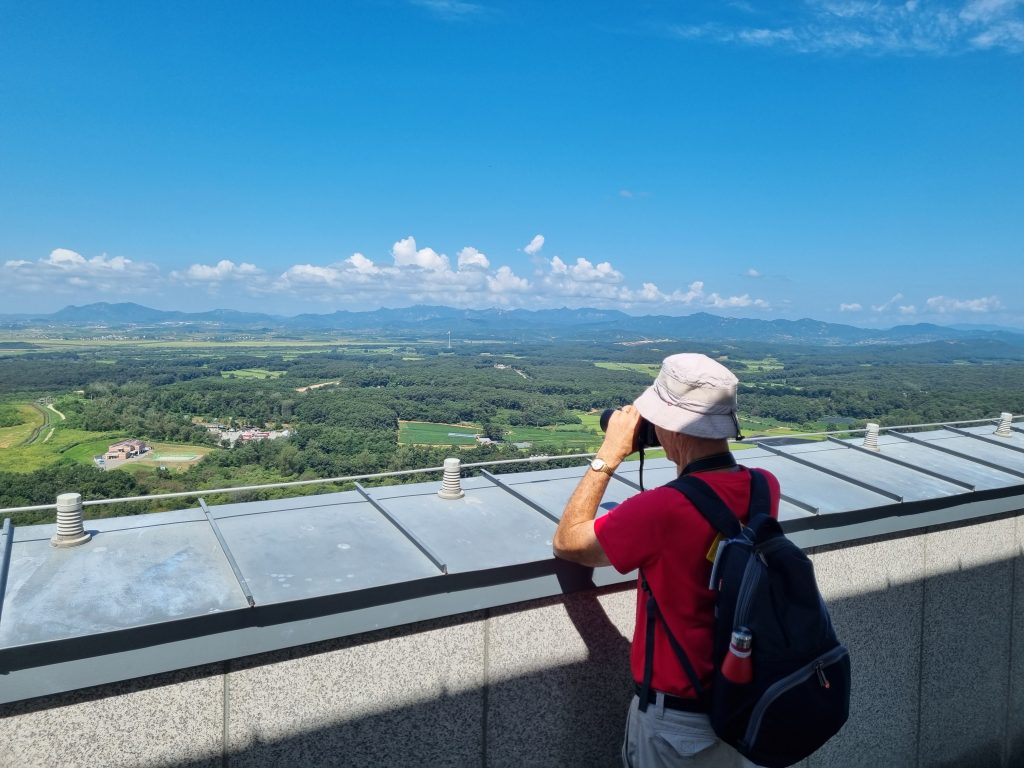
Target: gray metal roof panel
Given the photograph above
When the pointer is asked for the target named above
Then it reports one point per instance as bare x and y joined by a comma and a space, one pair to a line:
905, 482
300, 552
988, 430
487, 528
982, 449
551, 489
817, 489
130, 577
978, 475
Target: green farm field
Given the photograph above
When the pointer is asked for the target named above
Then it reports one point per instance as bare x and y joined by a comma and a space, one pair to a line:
763, 364
579, 437
429, 433
648, 369
252, 373
575, 437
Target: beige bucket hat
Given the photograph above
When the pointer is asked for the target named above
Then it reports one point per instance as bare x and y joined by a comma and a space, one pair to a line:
694, 395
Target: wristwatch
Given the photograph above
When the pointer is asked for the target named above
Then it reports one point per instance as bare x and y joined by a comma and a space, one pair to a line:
600, 465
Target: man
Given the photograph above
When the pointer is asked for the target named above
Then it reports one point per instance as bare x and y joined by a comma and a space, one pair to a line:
692, 405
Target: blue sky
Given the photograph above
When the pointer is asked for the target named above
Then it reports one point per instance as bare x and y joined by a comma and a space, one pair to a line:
859, 162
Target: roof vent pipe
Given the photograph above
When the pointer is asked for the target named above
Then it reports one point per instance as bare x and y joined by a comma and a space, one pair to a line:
871, 437
1005, 419
70, 530
451, 485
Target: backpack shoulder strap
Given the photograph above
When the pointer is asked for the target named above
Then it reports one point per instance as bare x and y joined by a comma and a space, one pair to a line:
714, 510
707, 502
654, 614
759, 513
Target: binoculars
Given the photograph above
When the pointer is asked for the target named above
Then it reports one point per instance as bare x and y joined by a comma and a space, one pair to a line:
646, 437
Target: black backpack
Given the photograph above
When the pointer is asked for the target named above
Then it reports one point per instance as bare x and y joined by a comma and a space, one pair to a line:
799, 695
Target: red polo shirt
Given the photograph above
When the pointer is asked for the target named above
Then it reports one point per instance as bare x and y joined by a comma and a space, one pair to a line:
661, 532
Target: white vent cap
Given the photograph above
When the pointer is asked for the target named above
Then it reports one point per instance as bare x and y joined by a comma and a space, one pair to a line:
451, 484
871, 436
70, 528
1005, 420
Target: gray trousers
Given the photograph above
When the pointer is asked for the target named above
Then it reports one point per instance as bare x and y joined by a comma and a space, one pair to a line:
662, 738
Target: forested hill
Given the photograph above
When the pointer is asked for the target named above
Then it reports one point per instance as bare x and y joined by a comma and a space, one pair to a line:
519, 325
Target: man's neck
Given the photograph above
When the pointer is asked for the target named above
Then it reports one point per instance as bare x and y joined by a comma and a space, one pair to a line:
696, 448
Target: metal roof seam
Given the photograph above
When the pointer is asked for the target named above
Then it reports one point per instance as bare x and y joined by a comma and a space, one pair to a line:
515, 494
404, 530
242, 583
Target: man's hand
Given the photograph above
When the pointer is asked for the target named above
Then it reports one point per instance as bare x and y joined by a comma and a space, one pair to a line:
575, 539
620, 437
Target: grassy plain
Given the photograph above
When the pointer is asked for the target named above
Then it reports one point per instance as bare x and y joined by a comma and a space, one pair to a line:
75, 444
19, 433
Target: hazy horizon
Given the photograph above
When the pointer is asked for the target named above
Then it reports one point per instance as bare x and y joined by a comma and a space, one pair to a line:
954, 325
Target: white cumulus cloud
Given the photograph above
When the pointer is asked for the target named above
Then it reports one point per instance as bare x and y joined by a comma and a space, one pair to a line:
731, 302
362, 265
534, 246
225, 269
851, 307
471, 258
506, 281
406, 254
69, 274
587, 272
311, 275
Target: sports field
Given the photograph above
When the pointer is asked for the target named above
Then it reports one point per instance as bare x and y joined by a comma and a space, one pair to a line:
181, 455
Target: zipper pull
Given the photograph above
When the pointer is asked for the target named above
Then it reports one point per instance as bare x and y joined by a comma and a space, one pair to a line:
822, 680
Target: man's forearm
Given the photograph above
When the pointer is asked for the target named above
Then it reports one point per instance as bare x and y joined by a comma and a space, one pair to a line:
575, 540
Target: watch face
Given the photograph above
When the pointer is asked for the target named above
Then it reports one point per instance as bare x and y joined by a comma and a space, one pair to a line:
599, 465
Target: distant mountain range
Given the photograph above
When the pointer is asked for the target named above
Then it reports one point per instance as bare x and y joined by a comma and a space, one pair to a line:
518, 324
